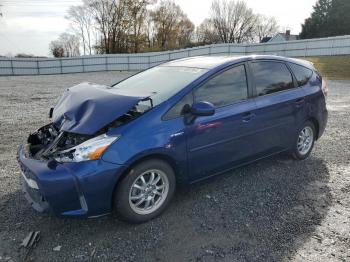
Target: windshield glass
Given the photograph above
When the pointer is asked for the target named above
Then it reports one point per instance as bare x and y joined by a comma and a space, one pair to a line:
160, 82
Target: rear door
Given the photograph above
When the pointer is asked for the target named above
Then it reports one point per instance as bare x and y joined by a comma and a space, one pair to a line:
216, 143
279, 106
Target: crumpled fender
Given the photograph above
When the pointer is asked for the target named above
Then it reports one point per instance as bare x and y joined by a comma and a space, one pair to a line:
86, 108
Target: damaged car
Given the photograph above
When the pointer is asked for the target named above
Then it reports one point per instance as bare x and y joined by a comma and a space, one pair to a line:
126, 147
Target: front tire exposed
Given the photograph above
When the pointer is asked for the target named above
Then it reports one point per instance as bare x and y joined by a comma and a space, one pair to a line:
145, 192
305, 141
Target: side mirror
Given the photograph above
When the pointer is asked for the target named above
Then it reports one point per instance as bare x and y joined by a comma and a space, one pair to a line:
203, 108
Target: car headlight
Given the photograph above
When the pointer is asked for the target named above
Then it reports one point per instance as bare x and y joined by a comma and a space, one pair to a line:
91, 149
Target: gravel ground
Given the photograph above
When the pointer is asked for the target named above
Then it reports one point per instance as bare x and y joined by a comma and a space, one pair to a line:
273, 210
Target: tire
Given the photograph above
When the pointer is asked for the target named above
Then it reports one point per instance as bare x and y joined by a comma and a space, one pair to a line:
301, 150
135, 191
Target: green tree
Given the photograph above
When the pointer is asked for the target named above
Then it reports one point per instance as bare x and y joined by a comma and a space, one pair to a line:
339, 18
329, 18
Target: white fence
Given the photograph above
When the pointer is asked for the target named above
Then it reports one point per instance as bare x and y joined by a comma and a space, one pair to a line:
126, 62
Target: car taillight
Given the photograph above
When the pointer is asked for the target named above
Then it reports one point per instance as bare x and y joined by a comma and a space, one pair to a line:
324, 87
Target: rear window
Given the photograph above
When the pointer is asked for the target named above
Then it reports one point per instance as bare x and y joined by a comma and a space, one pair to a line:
271, 77
302, 74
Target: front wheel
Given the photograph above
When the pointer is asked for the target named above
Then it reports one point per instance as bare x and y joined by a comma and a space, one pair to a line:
145, 191
305, 141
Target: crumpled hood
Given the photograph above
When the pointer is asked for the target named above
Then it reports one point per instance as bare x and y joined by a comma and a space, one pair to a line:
86, 108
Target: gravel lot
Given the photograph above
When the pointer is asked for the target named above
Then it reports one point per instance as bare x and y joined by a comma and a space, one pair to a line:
276, 209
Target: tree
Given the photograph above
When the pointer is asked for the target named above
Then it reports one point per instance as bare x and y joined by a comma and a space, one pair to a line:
318, 24
185, 32
329, 18
71, 44
233, 21
137, 11
112, 23
56, 49
118, 26
266, 27
150, 30
170, 25
82, 22
67, 45
339, 18
206, 33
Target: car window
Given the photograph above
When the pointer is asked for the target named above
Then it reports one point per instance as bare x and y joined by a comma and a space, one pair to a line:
302, 74
176, 110
271, 77
160, 82
225, 88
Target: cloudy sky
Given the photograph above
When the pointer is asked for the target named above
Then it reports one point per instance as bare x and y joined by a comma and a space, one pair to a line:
28, 26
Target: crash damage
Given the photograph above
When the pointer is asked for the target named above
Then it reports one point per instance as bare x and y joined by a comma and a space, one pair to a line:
84, 112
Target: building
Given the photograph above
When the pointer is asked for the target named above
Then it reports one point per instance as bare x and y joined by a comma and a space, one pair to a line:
280, 37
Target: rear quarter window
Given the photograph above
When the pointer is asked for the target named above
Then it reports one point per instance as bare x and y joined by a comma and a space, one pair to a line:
301, 73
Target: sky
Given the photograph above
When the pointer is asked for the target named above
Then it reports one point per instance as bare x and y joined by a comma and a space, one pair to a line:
28, 26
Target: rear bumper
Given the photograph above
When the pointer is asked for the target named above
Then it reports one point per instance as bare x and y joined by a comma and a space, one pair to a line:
82, 189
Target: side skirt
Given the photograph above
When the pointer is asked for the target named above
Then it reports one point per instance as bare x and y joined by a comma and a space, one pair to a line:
237, 166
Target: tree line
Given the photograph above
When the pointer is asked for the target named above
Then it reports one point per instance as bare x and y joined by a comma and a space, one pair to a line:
329, 18
133, 26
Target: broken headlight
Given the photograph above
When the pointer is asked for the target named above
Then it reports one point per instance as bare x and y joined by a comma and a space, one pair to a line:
91, 149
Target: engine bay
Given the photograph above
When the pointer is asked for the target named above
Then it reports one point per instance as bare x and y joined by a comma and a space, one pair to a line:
48, 141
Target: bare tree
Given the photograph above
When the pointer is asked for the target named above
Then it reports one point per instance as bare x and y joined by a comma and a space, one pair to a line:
170, 22
83, 23
67, 45
266, 27
185, 32
117, 26
137, 10
112, 23
206, 33
233, 21
150, 30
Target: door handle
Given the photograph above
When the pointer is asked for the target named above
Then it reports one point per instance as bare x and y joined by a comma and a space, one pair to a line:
247, 117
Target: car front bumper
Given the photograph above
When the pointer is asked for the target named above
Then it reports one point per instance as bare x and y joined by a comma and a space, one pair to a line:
83, 189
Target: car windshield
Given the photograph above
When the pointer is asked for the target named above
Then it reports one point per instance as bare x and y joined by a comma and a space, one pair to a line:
160, 82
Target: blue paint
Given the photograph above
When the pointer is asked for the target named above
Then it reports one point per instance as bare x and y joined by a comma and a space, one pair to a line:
234, 135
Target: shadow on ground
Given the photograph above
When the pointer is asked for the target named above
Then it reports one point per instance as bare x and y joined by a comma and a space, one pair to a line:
260, 212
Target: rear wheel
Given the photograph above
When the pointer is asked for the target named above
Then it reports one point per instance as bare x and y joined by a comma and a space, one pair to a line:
305, 141
145, 191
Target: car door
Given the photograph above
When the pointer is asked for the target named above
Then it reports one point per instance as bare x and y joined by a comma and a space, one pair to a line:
217, 142
279, 106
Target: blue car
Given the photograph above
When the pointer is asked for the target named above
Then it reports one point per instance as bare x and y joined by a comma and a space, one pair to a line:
126, 147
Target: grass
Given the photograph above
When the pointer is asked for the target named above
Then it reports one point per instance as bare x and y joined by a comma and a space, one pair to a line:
332, 67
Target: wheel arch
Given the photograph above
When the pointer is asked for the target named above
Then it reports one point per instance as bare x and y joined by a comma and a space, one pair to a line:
164, 157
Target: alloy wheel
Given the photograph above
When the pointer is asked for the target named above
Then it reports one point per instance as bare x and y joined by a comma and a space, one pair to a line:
148, 192
305, 140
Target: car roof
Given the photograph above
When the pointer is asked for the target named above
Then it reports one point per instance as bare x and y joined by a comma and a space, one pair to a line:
211, 62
